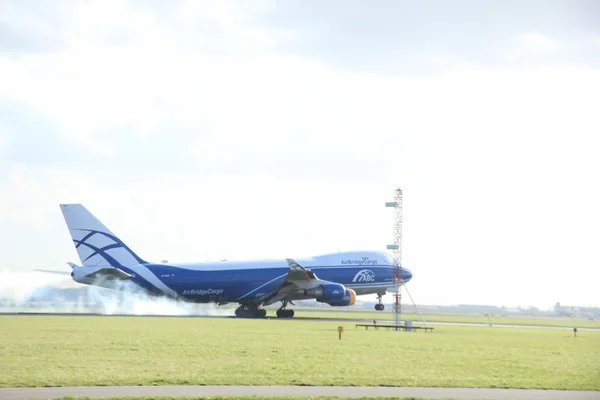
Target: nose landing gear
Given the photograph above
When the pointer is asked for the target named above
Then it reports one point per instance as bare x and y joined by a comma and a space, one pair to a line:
379, 306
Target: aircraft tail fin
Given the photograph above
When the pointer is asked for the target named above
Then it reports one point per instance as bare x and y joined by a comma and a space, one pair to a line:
94, 242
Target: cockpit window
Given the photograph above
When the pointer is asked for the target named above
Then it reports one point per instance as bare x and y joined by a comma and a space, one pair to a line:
389, 259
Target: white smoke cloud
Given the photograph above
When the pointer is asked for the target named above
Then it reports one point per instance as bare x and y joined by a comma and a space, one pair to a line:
17, 287
48, 293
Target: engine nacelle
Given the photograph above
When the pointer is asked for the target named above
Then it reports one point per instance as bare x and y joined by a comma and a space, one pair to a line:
327, 292
348, 300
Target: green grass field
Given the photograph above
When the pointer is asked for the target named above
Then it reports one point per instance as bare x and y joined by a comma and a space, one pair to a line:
64, 351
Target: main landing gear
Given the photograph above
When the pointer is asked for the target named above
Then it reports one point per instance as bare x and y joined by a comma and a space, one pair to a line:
379, 306
283, 312
250, 311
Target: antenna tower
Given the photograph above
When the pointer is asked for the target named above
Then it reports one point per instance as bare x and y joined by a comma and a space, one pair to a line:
397, 247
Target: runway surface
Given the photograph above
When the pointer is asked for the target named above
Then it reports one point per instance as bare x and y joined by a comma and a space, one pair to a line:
348, 392
296, 318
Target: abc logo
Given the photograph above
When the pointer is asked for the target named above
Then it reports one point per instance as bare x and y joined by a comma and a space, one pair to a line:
364, 275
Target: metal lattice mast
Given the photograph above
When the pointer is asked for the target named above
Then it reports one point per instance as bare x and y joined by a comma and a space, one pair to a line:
397, 247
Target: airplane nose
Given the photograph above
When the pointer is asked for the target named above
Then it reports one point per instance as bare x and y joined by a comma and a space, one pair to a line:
406, 275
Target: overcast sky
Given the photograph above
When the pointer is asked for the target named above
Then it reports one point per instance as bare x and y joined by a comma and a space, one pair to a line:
207, 130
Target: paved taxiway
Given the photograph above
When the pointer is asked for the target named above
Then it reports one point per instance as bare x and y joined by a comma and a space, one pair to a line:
297, 318
355, 391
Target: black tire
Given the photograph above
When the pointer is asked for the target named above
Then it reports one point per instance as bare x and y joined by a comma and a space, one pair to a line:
260, 313
285, 313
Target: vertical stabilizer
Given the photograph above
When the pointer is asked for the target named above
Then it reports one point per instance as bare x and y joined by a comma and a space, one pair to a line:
95, 243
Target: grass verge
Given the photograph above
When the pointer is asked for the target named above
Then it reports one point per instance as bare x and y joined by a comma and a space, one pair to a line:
76, 351
480, 319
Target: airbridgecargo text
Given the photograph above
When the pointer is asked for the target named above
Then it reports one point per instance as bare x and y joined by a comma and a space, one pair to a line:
202, 292
364, 260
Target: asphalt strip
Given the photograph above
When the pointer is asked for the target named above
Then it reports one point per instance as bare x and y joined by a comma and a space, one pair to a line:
335, 391
23, 314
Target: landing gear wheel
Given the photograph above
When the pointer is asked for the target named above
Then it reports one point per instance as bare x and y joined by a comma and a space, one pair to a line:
281, 313
250, 312
379, 306
261, 313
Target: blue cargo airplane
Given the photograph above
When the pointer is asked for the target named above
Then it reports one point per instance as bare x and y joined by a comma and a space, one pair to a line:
107, 262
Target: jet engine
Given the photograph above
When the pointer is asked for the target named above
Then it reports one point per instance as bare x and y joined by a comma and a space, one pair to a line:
327, 292
348, 300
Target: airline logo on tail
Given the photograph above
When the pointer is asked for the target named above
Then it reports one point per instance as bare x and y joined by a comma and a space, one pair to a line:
103, 251
94, 242
364, 275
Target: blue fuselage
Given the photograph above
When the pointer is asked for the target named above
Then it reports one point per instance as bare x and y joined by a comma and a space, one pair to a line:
245, 285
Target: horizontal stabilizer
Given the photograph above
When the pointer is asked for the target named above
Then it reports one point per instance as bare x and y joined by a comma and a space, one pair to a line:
110, 273
53, 272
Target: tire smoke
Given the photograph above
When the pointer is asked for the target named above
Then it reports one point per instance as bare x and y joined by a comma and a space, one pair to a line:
43, 292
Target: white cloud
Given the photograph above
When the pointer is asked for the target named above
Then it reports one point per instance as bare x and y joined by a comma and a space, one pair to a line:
537, 43
4, 138
193, 137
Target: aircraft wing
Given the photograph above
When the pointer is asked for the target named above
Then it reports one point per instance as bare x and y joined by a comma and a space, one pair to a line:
298, 274
298, 278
